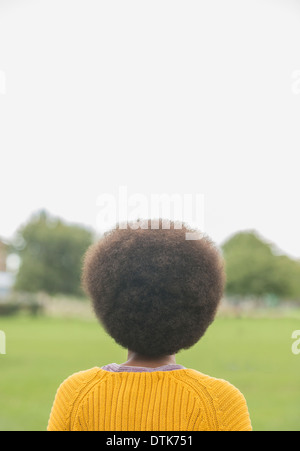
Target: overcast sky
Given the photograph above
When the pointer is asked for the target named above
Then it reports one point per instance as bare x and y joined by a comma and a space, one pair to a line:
187, 97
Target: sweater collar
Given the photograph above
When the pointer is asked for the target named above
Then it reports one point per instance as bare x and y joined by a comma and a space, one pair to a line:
116, 368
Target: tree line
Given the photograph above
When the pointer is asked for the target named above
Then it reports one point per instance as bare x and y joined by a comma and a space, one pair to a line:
51, 253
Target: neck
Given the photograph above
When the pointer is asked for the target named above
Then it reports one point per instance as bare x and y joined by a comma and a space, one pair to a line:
135, 359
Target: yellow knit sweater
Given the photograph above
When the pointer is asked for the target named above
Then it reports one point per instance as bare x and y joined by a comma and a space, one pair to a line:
178, 400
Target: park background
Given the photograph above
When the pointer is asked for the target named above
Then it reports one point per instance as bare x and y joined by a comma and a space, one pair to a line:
159, 97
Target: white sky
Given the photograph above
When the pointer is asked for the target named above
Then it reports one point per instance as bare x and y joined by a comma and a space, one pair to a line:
158, 96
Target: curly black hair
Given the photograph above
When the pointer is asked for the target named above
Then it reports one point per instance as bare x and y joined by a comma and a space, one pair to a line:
154, 291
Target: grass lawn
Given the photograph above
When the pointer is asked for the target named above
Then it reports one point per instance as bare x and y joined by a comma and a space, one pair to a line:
254, 354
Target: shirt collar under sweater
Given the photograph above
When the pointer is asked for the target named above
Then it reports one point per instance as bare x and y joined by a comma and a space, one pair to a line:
114, 367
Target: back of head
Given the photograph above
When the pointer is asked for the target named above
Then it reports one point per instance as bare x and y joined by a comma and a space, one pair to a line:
154, 291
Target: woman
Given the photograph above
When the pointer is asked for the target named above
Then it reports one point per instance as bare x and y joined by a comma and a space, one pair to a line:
155, 293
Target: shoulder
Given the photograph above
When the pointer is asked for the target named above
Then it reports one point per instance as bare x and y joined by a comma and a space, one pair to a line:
68, 394
78, 383
217, 387
200, 379
227, 400
81, 377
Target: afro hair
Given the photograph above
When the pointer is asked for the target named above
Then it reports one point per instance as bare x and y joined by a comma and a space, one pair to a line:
154, 291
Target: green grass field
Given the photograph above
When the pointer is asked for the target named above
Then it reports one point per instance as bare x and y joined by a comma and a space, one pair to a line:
254, 354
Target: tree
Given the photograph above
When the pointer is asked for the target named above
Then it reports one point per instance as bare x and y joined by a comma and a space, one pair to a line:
254, 268
51, 254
